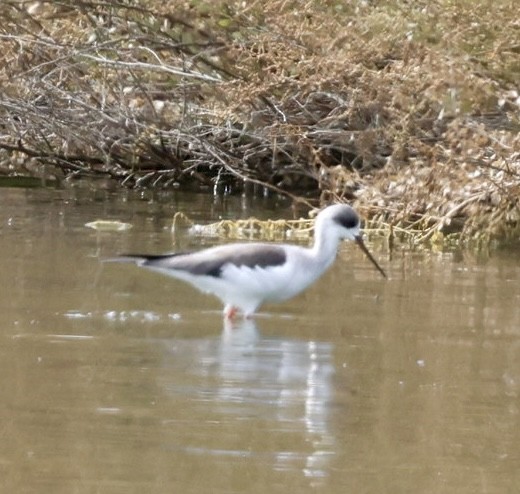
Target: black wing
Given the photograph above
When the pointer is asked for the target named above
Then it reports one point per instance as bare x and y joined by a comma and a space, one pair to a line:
210, 262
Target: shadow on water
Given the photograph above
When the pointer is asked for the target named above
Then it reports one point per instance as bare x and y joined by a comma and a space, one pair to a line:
93, 400
246, 379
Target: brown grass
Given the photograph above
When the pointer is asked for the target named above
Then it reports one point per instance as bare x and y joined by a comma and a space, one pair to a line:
408, 109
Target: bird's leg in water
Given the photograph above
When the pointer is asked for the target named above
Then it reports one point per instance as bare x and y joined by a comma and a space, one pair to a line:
230, 312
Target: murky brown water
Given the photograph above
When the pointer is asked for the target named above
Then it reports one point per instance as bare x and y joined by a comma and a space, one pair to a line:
117, 380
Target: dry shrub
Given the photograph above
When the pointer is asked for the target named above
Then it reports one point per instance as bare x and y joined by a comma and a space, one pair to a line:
411, 110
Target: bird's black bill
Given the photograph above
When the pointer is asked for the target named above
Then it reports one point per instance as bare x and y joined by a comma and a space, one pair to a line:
363, 247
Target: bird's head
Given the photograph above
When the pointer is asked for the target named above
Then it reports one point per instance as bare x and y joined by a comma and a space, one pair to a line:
343, 221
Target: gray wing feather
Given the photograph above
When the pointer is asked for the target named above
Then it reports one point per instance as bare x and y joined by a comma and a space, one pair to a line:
210, 262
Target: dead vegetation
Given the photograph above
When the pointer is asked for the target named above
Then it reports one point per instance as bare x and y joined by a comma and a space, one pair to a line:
409, 110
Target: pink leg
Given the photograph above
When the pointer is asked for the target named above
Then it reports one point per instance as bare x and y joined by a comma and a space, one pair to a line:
230, 312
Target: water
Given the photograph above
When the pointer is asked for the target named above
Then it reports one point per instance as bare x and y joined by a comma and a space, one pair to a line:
117, 380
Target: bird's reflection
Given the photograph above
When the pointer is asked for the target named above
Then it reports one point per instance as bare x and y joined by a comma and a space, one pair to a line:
284, 383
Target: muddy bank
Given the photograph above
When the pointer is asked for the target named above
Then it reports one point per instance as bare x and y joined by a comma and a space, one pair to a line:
411, 113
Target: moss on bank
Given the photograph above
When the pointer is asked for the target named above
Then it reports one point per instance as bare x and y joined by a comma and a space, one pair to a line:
409, 110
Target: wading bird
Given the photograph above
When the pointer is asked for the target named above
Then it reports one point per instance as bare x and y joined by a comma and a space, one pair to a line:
245, 275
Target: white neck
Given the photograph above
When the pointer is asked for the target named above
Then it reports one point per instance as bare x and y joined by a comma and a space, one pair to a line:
325, 246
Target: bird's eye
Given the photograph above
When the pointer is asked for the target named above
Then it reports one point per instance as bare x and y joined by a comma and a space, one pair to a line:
349, 220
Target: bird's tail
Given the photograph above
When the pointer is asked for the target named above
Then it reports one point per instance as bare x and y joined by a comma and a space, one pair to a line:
139, 259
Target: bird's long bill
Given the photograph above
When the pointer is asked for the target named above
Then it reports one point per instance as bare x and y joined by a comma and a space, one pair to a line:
363, 247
